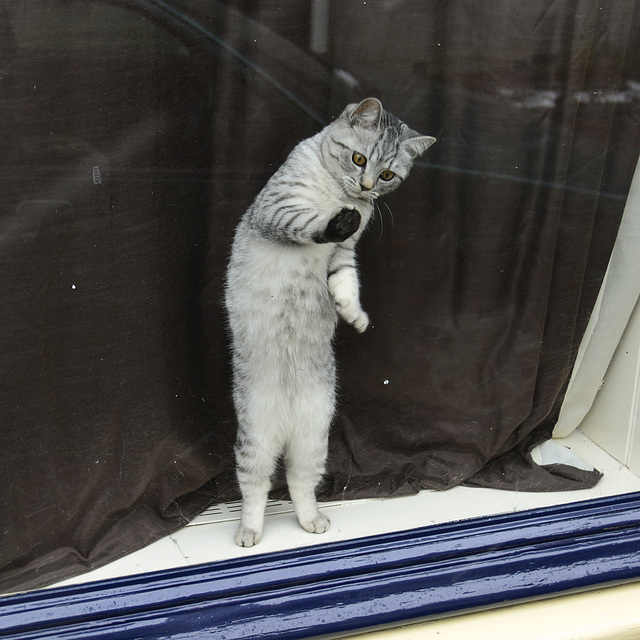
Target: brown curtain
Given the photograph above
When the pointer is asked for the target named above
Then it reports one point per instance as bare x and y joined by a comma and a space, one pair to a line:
133, 137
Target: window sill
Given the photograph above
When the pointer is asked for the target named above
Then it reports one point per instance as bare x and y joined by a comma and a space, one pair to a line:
354, 584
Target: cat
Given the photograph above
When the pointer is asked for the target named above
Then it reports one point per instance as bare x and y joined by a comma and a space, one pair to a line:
292, 272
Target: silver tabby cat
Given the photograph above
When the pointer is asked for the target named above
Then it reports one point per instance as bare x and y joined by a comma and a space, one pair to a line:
292, 272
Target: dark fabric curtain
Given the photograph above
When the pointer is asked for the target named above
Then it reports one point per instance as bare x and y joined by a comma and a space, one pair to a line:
133, 135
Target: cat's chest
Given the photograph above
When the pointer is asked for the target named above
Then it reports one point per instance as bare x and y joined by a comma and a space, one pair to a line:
287, 268
290, 286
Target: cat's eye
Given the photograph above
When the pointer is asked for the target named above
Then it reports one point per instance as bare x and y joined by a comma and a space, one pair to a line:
358, 159
386, 175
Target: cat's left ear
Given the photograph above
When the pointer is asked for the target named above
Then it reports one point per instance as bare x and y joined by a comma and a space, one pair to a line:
416, 144
367, 114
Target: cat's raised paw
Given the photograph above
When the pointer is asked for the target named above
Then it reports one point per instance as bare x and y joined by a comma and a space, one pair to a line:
246, 537
341, 227
361, 322
318, 524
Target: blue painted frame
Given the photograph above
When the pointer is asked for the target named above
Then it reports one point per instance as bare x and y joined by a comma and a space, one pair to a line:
351, 585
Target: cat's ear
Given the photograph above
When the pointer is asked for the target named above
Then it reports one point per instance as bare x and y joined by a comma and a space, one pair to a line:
416, 144
367, 114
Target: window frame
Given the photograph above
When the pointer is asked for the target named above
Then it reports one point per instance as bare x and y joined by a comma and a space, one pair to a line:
341, 587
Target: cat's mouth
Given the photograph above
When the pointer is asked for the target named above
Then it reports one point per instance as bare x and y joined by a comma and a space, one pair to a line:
366, 194
356, 190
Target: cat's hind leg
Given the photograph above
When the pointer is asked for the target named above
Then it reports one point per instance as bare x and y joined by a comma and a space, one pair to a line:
255, 466
305, 458
303, 476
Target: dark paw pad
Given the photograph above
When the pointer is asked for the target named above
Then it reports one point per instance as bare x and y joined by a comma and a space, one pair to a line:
342, 226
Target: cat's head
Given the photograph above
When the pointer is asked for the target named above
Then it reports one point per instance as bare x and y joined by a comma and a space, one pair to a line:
369, 151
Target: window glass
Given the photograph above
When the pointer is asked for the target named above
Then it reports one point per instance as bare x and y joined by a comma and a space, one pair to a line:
135, 134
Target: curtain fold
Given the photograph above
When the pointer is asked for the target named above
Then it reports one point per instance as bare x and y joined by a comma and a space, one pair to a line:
500, 260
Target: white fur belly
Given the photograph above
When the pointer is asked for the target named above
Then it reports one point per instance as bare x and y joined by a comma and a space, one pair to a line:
280, 311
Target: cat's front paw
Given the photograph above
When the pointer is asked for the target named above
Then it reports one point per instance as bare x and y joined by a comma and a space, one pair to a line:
361, 322
341, 227
343, 287
247, 537
318, 524
352, 314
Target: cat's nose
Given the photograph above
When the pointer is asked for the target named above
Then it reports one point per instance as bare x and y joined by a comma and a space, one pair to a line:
366, 185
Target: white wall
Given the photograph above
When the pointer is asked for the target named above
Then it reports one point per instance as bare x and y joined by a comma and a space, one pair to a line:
614, 419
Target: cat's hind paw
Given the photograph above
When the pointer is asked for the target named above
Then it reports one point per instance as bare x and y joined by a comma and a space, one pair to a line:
318, 524
246, 537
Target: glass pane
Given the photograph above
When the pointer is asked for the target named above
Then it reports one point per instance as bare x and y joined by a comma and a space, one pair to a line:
134, 137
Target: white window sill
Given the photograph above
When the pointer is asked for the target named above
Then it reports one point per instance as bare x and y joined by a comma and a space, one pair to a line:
209, 537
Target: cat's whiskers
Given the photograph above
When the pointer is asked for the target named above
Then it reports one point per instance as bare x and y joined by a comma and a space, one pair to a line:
350, 187
343, 190
377, 209
390, 213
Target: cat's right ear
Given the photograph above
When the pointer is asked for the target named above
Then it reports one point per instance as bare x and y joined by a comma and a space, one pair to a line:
367, 114
418, 144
